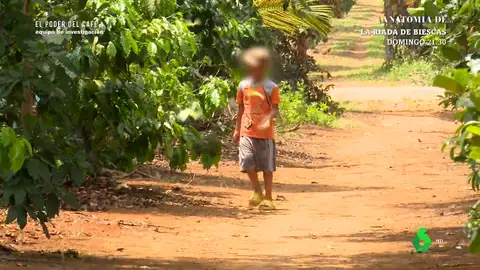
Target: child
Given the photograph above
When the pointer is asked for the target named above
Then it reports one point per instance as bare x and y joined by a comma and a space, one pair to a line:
258, 99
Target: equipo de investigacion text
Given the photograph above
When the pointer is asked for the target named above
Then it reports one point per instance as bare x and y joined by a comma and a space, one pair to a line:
69, 32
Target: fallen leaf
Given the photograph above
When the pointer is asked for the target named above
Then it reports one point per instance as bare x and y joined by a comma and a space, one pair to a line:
122, 186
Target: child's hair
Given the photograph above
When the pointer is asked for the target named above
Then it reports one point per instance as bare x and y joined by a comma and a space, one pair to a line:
255, 57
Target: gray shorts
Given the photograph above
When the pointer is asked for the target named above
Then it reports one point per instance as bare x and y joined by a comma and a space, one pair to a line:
257, 154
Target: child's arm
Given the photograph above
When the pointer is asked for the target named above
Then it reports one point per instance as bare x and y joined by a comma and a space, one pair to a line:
238, 126
275, 100
266, 121
241, 109
275, 112
28, 104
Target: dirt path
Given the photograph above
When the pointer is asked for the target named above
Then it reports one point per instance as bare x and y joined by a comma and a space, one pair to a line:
348, 199
347, 52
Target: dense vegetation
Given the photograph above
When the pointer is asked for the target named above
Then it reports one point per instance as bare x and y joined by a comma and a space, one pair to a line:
340, 7
115, 98
460, 62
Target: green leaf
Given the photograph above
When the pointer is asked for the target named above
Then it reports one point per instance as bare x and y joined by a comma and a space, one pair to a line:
67, 64
111, 50
462, 76
70, 199
151, 49
37, 169
11, 216
8, 136
465, 7
55, 39
184, 114
2, 49
475, 244
431, 9
474, 152
206, 161
16, 155
475, 97
448, 84
126, 44
59, 173
416, 11
4, 161
52, 205
19, 196
133, 43
474, 130
476, 81
37, 201
99, 49
94, 43
9, 89
42, 218
27, 144
30, 122
450, 53
165, 45
76, 174
31, 212
21, 217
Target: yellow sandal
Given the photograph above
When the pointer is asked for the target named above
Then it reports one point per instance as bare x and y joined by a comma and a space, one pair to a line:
255, 199
267, 205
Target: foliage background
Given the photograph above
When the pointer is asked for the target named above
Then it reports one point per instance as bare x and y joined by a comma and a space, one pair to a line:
459, 60
147, 84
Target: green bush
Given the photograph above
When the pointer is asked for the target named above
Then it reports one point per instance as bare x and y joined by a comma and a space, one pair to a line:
295, 109
113, 99
460, 59
416, 72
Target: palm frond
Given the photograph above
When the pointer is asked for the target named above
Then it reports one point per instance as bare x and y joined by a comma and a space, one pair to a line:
299, 16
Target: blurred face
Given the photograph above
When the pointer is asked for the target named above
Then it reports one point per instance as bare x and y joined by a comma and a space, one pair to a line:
259, 72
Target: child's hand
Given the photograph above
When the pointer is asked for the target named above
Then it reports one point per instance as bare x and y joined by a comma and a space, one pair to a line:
265, 123
236, 136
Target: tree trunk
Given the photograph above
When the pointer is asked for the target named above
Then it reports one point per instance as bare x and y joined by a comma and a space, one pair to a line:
302, 44
389, 11
393, 9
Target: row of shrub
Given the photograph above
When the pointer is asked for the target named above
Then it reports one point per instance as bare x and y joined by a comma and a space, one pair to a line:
113, 100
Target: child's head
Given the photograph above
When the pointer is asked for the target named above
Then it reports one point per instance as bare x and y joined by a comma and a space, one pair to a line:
257, 62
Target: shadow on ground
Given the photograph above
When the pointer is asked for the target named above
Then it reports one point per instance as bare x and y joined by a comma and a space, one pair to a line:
443, 115
450, 259
450, 236
157, 196
232, 182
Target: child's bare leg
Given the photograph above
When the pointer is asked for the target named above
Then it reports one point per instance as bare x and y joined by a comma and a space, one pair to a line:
253, 176
268, 178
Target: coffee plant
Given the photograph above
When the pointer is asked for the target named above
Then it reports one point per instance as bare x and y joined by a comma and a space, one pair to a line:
113, 98
460, 59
